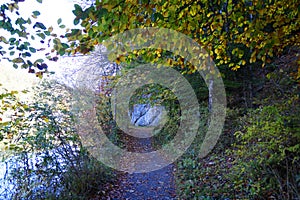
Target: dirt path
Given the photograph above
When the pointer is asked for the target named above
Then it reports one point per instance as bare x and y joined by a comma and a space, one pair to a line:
157, 184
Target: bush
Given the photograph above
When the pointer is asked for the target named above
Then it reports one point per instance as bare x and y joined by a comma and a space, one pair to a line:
205, 178
48, 159
86, 178
106, 121
268, 152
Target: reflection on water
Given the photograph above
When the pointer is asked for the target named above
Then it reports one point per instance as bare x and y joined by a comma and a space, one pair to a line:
39, 173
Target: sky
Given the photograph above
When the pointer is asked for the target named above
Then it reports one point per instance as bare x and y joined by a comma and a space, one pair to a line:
51, 11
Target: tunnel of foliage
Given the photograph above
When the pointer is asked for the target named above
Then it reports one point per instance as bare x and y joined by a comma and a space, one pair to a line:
254, 44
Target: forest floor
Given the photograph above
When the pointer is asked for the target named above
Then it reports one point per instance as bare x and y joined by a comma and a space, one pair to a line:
158, 184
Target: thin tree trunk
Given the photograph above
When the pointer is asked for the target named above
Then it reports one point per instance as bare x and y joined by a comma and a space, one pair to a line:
210, 94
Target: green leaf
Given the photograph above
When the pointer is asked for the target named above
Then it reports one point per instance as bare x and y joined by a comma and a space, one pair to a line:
24, 66
47, 33
56, 41
78, 12
62, 26
29, 21
41, 35
40, 1
102, 12
39, 61
36, 13
61, 52
26, 44
158, 16
64, 45
3, 39
78, 7
39, 25
12, 40
76, 21
21, 21
18, 60
59, 21
26, 54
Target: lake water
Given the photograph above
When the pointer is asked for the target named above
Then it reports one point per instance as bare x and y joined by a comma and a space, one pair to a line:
34, 161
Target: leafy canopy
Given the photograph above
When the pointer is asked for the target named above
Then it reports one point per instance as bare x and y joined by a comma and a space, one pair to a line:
236, 33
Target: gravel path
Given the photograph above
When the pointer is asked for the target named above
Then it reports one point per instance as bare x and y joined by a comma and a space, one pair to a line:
157, 184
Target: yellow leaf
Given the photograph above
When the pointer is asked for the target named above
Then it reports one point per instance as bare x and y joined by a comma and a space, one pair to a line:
241, 53
122, 58
148, 22
298, 74
217, 51
209, 14
180, 14
235, 68
50, 29
253, 57
109, 7
45, 118
234, 50
169, 61
193, 11
118, 61
270, 53
166, 14
39, 74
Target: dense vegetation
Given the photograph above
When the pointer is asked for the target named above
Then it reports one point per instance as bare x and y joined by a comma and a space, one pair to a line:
48, 160
257, 156
255, 45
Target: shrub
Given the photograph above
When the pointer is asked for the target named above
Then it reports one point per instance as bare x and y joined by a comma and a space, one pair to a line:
49, 161
268, 152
